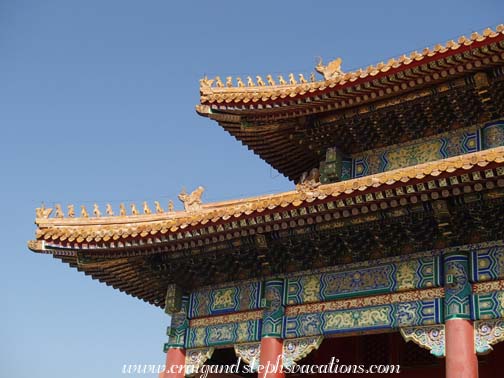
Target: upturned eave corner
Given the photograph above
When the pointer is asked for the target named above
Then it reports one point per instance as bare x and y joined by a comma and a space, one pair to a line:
203, 110
36, 246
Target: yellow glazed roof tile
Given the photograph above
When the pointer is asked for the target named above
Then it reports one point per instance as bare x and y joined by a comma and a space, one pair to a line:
99, 228
236, 91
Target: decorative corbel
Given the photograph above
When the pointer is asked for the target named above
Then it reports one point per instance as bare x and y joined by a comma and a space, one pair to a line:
195, 358
428, 337
297, 349
487, 333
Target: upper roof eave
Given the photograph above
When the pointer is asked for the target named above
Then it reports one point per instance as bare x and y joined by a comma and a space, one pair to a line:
264, 95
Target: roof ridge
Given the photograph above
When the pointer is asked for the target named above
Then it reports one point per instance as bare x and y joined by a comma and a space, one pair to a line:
227, 209
332, 72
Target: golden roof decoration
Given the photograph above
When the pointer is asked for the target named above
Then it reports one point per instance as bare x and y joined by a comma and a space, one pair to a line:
236, 91
331, 71
192, 202
198, 213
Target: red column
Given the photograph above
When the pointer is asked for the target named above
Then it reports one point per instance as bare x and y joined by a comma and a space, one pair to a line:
271, 358
461, 359
175, 359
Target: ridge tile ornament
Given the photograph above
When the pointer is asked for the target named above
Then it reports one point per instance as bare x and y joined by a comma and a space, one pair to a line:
429, 337
330, 71
192, 202
42, 212
213, 90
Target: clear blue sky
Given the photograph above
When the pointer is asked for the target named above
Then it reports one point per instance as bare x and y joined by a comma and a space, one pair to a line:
97, 104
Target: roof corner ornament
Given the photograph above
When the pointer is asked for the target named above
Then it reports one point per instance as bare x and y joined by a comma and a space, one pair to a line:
206, 85
309, 183
108, 210
122, 210
331, 71
84, 212
36, 245
71, 211
192, 202
42, 212
146, 208
96, 210
159, 209
59, 211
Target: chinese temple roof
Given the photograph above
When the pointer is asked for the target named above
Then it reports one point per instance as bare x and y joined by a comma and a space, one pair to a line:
290, 122
142, 253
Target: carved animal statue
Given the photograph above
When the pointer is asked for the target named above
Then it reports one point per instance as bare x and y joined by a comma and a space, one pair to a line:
270, 80
250, 82
218, 82
134, 210
108, 210
171, 208
58, 213
192, 202
312, 77
146, 209
309, 182
122, 210
206, 85
260, 81
281, 80
42, 212
239, 81
96, 210
302, 79
83, 212
229, 81
331, 71
314, 175
159, 209
71, 211
292, 79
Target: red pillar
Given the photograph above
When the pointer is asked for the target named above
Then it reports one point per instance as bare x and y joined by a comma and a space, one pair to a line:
175, 363
461, 359
271, 358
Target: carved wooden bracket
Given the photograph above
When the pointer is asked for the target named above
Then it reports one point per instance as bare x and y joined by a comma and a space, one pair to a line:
250, 354
195, 358
428, 337
297, 349
487, 333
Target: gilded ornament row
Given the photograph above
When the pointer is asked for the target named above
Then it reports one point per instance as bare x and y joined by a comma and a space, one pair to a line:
377, 300
488, 286
260, 89
113, 229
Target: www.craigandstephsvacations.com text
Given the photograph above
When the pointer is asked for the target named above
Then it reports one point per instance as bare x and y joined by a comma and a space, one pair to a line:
332, 367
